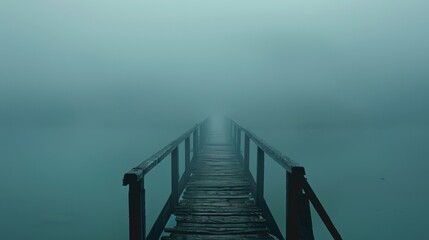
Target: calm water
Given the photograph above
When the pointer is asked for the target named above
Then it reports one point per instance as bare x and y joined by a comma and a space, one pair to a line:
371, 181
90, 88
66, 182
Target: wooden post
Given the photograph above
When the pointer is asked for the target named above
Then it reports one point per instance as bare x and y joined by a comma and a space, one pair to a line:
260, 177
137, 211
174, 178
304, 217
187, 153
298, 216
293, 189
246, 152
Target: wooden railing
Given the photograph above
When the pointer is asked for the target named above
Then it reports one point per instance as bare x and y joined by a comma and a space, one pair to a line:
135, 178
298, 191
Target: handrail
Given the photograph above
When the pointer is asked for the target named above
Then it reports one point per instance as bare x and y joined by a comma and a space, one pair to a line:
136, 173
137, 193
284, 161
298, 190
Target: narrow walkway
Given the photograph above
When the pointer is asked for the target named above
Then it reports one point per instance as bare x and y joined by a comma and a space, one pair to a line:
217, 203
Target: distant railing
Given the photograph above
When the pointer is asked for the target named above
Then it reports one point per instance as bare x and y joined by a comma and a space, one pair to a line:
298, 190
135, 179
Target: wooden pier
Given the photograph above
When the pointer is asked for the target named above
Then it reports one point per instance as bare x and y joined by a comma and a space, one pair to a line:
217, 197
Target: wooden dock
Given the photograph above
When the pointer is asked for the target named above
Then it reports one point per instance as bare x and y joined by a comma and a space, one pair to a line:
217, 197
217, 202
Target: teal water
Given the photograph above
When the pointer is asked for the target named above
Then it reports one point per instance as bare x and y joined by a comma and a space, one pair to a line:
371, 181
88, 89
67, 182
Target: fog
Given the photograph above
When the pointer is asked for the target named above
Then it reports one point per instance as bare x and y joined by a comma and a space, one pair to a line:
89, 89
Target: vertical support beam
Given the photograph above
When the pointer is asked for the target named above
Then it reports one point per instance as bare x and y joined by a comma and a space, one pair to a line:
304, 217
137, 210
246, 152
293, 192
238, 141
195, 142
187, 153
174, 178
260, 177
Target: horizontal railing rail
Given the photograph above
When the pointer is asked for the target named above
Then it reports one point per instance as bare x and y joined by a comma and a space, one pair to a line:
136, 173
299, 194
135, 179
284, 161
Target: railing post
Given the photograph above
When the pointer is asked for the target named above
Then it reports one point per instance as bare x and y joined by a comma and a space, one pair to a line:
260, 177
195, 142
298, 216
137, 210
246, 152
174, 178
291, 206
187, 153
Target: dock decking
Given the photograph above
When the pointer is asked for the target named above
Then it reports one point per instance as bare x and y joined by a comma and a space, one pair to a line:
217, 202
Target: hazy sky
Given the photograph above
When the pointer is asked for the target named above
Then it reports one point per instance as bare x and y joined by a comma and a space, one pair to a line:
122, 62
89, 88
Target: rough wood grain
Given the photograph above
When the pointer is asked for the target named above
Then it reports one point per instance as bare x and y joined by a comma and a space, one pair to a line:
217, 202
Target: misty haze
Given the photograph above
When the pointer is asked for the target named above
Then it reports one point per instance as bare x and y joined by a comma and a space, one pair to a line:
89, 89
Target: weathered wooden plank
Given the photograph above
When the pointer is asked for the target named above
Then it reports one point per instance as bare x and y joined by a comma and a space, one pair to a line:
237, 213
216, 193
219, 225
220, 237
217, 200
215, 207
216, 230
218, 188
215, 197
220, 219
